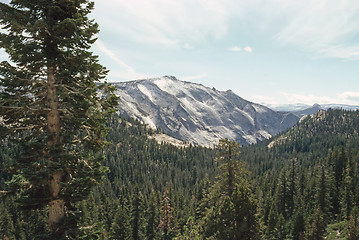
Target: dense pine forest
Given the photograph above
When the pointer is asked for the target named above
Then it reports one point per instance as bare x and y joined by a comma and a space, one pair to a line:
70, 168
307, 178
302, 184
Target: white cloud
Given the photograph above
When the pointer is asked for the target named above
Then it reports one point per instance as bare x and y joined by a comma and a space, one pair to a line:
264, 99
187, 46
305, 98
189, 78
327, 27
127, 72
248, 49
238, 49
121, 75
235, 49
340, 98
349, 97
341, 51
170, 23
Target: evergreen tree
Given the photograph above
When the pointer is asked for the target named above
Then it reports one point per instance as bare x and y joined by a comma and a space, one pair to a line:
348, 189
322, 190
281, 194
136, 214
298, 226
151, 218
272, 222
121, 229
233, 212
280, 231
316, 231
50, 104
7, 230
191, 231
292, 187
353, 227
166, 216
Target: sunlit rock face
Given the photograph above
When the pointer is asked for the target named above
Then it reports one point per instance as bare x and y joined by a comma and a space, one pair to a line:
198, 114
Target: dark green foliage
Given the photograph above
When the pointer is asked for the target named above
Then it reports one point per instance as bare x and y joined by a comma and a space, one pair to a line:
353, 227
316, 226
232, 211
306, 194
136, 210
151, 216
298, 225
141, 169
308, 175
50, 106
165, 224
121, 227
7, 229
52, 130
191, 231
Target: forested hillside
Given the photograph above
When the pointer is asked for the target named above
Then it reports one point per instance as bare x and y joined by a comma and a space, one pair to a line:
302, 184
307, 178
128, 201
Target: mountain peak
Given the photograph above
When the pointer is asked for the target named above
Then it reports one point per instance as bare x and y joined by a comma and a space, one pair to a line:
198, 114
171, 77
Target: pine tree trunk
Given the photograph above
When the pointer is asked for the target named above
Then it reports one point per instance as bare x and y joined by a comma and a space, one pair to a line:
56, 205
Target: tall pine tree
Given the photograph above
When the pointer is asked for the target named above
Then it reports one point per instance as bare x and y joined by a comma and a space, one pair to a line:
166, 216
232, 212
50, 103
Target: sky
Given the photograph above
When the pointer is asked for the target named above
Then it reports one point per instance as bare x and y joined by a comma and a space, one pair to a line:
266, 51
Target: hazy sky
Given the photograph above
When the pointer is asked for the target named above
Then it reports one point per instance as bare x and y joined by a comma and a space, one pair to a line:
266, 51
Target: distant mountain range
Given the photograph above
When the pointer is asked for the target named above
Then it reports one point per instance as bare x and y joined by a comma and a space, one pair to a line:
198, 114
300, 109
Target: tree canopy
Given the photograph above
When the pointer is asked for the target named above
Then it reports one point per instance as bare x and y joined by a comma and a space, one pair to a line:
53, 103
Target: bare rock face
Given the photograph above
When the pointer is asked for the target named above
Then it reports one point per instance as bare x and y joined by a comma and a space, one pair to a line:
198, 114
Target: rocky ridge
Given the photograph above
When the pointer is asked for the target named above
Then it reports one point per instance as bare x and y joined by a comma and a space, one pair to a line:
198, 114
